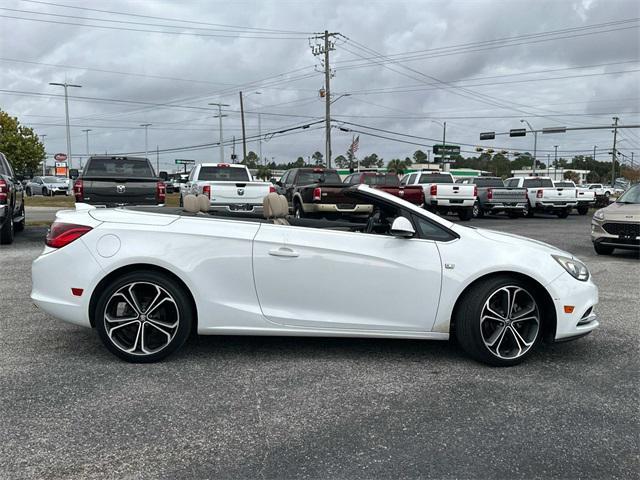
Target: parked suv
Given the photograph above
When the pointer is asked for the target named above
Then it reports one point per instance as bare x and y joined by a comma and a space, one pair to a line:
12, 215
618, 225
114, 181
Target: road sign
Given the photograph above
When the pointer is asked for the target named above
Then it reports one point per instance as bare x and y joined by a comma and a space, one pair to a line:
487, 135
446, 149
518, 132
60, 157
180, 161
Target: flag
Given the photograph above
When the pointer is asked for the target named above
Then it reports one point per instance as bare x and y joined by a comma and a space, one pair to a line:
355, 144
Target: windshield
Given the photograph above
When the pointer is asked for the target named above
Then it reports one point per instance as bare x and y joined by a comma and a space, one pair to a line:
307, 177
224, 174
630, 196
54, 180
387, 180
106, 167
435, 178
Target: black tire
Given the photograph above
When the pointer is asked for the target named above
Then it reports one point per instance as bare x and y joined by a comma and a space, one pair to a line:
181, 201
514, 214
477, 212
44, 191
603, 249
7, 231
298, 211
583, 210
528, 211
19, 226
469, 329
465, 214
180, 313
564, 213
28, 192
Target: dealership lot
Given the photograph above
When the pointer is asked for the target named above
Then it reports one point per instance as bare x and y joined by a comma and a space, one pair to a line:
287, 407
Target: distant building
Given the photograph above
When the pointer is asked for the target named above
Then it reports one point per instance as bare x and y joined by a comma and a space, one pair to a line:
554, 173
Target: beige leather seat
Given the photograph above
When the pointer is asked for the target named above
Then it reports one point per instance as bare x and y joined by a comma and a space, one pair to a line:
195, 204
275, 208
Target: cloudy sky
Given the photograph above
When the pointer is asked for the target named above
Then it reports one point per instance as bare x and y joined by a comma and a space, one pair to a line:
404, 68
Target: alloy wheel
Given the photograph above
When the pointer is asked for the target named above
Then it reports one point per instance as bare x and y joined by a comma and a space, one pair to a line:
510, 322
141, 318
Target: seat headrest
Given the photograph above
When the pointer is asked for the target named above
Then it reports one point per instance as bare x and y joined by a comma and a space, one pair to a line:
275, 206
190, 204
203, 203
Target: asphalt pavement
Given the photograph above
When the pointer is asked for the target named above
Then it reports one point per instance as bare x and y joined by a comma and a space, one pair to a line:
250, 407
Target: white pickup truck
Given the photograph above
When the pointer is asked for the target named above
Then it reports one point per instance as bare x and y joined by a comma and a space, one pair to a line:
600, 189
442, 194
230, 187
543, 196
586, 198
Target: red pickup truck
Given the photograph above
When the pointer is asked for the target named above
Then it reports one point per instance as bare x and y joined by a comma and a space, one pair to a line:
390, 183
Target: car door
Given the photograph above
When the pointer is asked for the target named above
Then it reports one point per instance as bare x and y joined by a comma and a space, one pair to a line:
320, 278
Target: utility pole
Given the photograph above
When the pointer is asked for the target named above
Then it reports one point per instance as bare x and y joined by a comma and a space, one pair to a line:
548, 162
535, 144
613, 152
157, 159
86, 130
324, 49
220, 105
44, 162
233, 150
146, 139
555, 163
259, 139
444, 143
594, 151
66, 112
244, 137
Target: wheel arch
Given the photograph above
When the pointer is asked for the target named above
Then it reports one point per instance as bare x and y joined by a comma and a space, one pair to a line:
541, 294
133, 268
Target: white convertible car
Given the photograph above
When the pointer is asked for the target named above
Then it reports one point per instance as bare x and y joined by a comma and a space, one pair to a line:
144, 280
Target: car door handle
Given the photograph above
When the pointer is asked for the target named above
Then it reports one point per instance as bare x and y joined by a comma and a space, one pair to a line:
283, 252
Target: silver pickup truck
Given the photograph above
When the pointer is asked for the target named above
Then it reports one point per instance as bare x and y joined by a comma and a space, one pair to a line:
494, 197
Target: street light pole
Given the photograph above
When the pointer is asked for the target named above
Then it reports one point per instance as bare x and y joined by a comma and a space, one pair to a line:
535, 144
66, 112
146, 139
220, 105
555, 163
613, 152
259, 138
86, 130
244, 136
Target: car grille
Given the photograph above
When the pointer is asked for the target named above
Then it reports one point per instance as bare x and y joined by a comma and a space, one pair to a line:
624, 229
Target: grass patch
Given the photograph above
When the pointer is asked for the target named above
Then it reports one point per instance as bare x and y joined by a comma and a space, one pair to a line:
172, 200
40, 201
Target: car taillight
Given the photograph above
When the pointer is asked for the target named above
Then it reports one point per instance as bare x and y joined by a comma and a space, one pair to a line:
489, 193
434, 190
206, 190
272, 189
61, 234
78, 190
161, 192
539, 194
317, 194
4, 191
475, 191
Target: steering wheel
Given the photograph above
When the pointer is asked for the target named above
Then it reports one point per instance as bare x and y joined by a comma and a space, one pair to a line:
373, 221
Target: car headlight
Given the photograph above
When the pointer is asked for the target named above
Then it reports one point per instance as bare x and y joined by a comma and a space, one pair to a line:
599, 215
576, 268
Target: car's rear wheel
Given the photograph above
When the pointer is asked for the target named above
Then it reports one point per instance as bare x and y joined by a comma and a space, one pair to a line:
19, 226
143, 317
7, 232
583, 210
477, 211
499, 321
465, 214
602, 249
298, 211
44, 192
528, 211
564, 213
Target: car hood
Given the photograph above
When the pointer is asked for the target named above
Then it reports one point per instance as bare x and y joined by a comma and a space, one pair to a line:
622, 212
520, 241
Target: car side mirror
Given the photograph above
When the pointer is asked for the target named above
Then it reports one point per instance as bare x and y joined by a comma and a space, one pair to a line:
402, 228
163, 175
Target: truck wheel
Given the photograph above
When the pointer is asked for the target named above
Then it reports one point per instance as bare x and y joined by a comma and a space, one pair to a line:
564, 213
6, 233
583, 210
602, 249
499, 321
513, 214
465, 214
19, 226
477, 211
528, 211
298, 212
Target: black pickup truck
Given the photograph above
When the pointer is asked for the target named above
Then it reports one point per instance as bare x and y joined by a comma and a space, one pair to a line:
12, 216
115, 181
318, 192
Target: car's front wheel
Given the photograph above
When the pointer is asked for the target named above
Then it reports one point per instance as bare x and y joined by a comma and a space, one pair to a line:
7, 232
499, 321
143, 317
